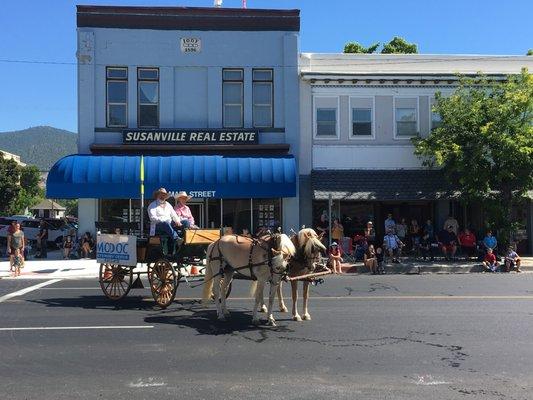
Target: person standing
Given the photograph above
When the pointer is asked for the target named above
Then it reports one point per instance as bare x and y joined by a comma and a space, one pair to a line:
15, 249
451, 221
42, 240
337, 231
183, 211
414, 234
401, 230
390, 224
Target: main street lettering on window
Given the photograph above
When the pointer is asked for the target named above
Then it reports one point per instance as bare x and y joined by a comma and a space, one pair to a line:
189, 136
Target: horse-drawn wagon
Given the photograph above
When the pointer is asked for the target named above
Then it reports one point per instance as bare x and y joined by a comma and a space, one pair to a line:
125, 257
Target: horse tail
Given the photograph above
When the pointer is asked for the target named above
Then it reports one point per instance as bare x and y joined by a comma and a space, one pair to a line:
253, 289
208, 278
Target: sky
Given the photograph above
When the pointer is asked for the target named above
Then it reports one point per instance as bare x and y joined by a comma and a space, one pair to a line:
44, 32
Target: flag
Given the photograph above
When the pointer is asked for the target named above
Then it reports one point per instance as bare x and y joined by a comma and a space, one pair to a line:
142, 175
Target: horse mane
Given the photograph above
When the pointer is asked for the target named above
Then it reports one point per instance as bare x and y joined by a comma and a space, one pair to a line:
307, 240
281, 242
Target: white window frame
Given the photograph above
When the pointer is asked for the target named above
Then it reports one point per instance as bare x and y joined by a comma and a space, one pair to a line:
271, 105
241, 82
351, 136
140, 104
108, 103
394, 127
337, 125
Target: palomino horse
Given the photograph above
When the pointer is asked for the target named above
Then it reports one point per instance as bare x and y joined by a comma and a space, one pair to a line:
264, 259
308, 253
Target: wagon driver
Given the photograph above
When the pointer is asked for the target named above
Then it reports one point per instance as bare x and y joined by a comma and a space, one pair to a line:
183, 211
162, 215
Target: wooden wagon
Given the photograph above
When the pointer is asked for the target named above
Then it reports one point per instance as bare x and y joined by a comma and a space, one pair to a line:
164, 269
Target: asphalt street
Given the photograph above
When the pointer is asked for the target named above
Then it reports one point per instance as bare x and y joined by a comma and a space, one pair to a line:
371, 337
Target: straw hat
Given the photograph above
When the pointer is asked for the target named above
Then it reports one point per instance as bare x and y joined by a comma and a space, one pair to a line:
159, 191
182, 195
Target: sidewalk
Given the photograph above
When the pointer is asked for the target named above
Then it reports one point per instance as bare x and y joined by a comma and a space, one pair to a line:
52, 267
411, 266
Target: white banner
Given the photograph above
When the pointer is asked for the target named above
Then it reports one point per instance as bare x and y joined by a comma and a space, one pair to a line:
116, 249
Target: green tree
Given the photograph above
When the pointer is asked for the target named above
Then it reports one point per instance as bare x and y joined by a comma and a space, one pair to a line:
399, 45
355, 47
529, 52
71, 206
485, 144
9, 185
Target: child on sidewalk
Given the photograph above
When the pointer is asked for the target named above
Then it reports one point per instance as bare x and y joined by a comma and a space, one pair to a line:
335, 258
490, 262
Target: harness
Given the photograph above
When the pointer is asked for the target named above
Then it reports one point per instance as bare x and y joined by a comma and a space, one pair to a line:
225, 265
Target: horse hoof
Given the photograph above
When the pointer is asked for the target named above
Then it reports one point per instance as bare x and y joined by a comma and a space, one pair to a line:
263, 309
271, 322
297, 318
307, 317
283, 309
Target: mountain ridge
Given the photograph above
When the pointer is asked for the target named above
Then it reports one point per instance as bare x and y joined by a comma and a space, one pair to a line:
41, 146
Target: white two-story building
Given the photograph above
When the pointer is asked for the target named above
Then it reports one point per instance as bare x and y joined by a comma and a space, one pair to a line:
358, 113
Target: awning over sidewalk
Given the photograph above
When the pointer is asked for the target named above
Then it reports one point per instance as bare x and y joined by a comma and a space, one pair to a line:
380, 185
90, 176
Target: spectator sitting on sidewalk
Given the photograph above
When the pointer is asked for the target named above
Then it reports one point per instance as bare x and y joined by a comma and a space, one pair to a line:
490, 263
371, 260
448, 243
392, 246
512, 260
379, 258
490, 242
427, 245
335, 258
468, 243
87, 245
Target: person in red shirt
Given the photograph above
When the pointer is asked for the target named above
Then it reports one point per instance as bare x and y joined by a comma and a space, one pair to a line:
468, 243
490, 262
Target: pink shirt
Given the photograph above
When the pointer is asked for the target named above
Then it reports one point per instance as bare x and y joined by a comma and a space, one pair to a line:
184, 212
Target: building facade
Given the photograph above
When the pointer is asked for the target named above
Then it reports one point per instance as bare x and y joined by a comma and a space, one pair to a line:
358, 115
194, 91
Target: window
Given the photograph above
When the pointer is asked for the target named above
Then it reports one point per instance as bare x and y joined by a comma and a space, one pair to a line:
232, 98
117, 96
435, 117
326, 122
262, 98
406, 122
148, 97
361, 122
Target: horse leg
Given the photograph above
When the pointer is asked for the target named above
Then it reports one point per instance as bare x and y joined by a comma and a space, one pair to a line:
271, 297
228, 276
282, 307
295, 315
216, 292
306, 316
258, 301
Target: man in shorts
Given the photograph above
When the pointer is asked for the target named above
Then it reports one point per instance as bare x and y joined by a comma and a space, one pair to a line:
448, 242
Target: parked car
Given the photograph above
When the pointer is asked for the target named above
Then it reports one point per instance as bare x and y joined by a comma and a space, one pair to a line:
57, 228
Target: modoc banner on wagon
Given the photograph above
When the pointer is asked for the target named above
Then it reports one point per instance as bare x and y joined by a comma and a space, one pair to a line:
116, 249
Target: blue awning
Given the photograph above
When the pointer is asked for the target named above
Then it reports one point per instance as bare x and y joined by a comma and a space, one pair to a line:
112, 177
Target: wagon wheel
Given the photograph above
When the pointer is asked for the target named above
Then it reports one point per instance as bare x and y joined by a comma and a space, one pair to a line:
115, 280
163, 282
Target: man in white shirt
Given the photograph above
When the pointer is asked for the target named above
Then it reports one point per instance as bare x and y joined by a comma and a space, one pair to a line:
162, 215
451, 221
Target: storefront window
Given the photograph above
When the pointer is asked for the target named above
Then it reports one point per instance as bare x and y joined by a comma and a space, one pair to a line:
266, 214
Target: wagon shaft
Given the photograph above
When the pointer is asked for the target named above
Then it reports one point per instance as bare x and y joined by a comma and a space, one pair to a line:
308, 276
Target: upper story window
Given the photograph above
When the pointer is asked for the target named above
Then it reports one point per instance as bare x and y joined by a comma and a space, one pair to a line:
148, 97
361, 117
232, 98
435, 117
326, 122
406, 117
117, 96
263, 91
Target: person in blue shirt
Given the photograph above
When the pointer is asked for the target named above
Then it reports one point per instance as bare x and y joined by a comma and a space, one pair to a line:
490, 242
